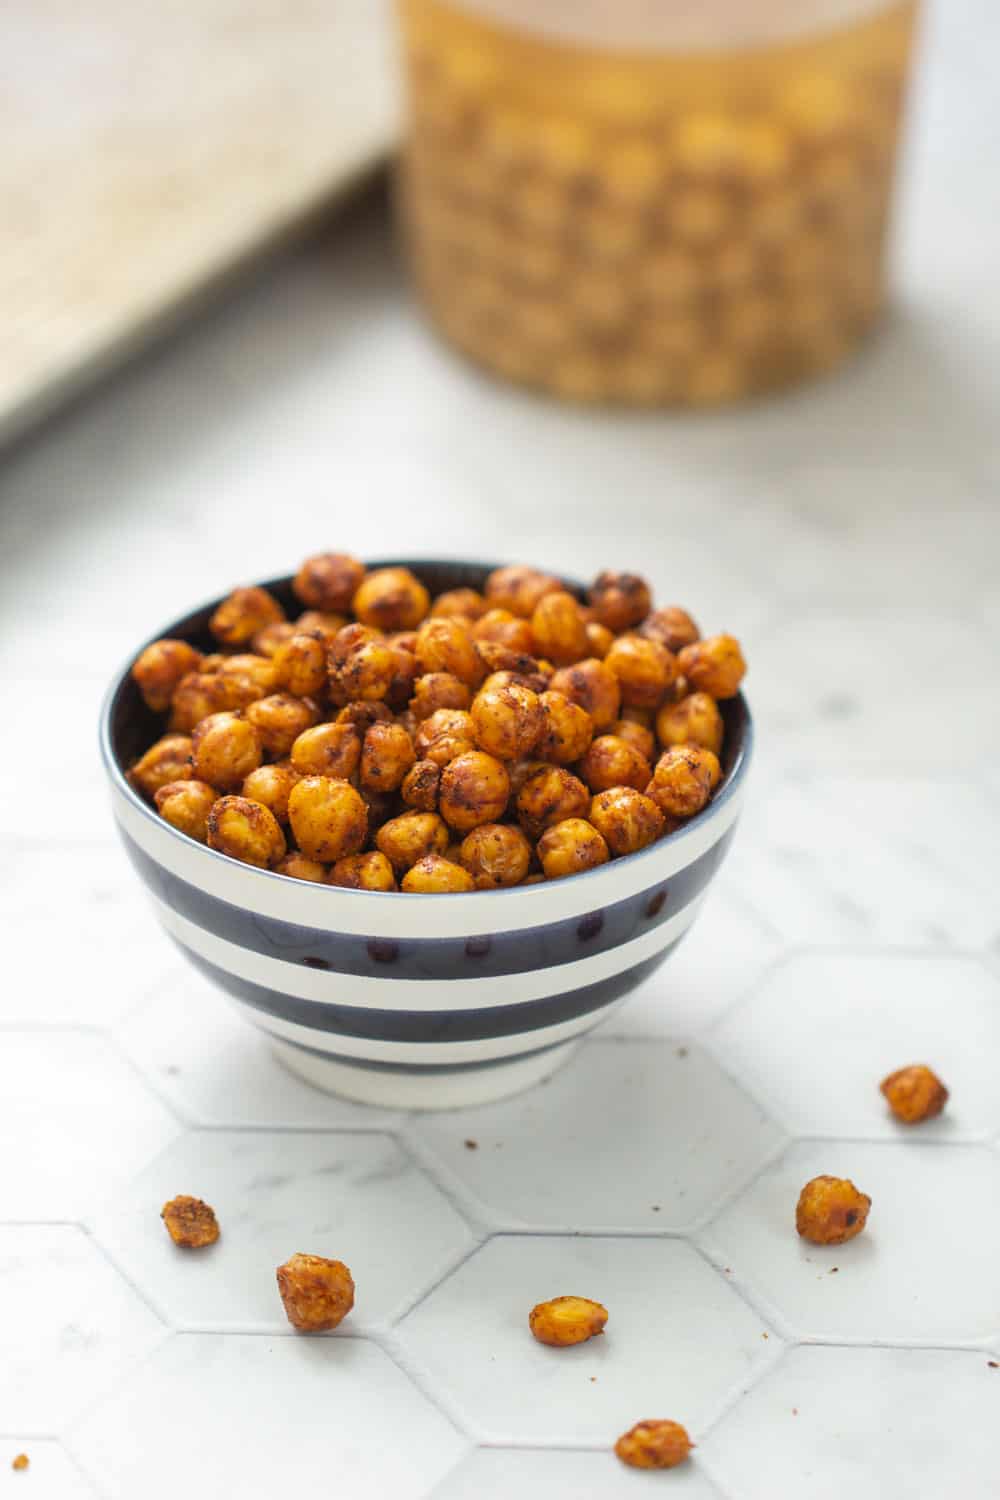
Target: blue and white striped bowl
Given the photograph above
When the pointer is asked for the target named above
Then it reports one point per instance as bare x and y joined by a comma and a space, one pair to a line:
426, 1002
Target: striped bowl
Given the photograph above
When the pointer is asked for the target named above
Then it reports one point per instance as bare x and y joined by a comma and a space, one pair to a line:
423, 1002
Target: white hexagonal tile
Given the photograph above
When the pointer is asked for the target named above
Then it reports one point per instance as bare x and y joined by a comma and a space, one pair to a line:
924, 1270
868, 1423
356, 1198
500, 1473
219, 1070
253, 1416
72, 1326
678, 1340
825, 1028
51, 1473
77, 1122
630, 1135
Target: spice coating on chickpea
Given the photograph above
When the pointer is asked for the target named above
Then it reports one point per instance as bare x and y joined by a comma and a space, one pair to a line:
328, 818
672, 626
714, 665
914, 1093
247, 831
507, 720
409, 837
567, 1320
831, 1210
654, 1445
391, 599
445, 645
317, 1293
225, 748
593, 687
496, 855
695, 720
321, 622
300, 664
549, 796
501, 627
474, 789
240, 616
191, 1223
619, 600
363, 872
436, 690
683, 780
637, 735
463, 604
272, 786
644, 670
569, 847
196, 696
327, 750
559, 628
160, 668
329, 581
299, 867
626, 819
567, 730
420, 786
365, 670
279, 719
186, 806
519, 589
433, 875
386, 756
267, 641
448, 733
168, 760
599, 639
611, 761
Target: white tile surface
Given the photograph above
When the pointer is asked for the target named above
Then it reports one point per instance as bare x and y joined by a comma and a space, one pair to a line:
51, 1473
677, 1340
500, 1473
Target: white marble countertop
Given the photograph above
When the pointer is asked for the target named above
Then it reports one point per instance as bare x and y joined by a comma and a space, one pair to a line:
850, 534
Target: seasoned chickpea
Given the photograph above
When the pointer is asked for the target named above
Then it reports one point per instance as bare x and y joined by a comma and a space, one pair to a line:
225, 748
599, 639
626, 819
594, 688
299, 867
329, 581
364, 715
672, 626
619, 600
567, 1320
386, 756
247, 831
300, 664
831, 1210
320, 622
404, 677
186, 805
160, 668
683, 780
695, 720
272, 786
420, 786
611, 761
644, 669
391, 599
317, 1293
463, 604
567, 730
279, 720
267, 641
168, 760
495, 855
434, 875
445, 645
714, 665
502, 628
518, 589
448, 732
328, 818
438, 690
409, 837
569, 847
238, 618
654, 1445
914, 1093
559, 629
246, 678
381, 807
363, 872
636, 734
474, 789
507, 720
196, 696
328, 750
191, 1223
365, 669
550, 795
498, 658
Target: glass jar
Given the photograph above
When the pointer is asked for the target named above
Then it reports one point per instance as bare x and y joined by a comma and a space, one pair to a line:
652, 201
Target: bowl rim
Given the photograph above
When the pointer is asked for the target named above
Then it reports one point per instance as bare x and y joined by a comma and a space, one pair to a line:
732, 783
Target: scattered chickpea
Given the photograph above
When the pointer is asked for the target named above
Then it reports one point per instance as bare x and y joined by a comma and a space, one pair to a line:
550, 795
474, 789
507, 720
714, 665
915, 1093
240, 616
186, 806
166, 761
644, 669
329, 581
421, 785
190, 1222
567, 1320
626, 819
225, 748
654, 1445
317, 1293
611, 761
683, 780
409, 837
559, 629
328, 818
160, 668
363, 872
695, 720
672, 626
247, 831
328, 750
496, 855
299, 867
300, 664
391, 599
570, 847
386, 756
20, 1462
831, 1210
433, 875
619, 600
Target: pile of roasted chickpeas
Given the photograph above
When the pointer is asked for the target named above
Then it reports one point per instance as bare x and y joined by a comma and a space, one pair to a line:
385, 740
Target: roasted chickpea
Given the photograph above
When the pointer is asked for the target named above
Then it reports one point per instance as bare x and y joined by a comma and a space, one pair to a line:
567, 1320
695, 720
409, 837
405, 639
381, 807
626, 819
420, 786
320, 622
300, 664
567, 730
672, 626
271, 786
328, 818
507, 720
247, 677
447, 733
225, 748
328, 750
619, 600
404, 677
463, 604
329, 581
363, 872
160, 668
654, 1445
558, 627
496, 855
683, 780
519, 770
196, 696
317, 1293
637, 735
438, 690
391, 599
528, 669
569, 847
267, 641
714, 665
551, 795
644, 669
238, 618
247, 831
474, 789
362, 669
446, 646
364, 715
168, 760
611, 761
594, 688
191, 1223
434, 875
599, 639
386, 756
299, 867
914, 1093
186, 805
279, 720
501, 628
831, 1210
518, 589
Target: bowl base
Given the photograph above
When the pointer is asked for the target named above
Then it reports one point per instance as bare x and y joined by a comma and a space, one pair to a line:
392, 1088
